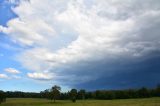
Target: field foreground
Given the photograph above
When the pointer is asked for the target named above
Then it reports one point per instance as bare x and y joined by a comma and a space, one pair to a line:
43, 102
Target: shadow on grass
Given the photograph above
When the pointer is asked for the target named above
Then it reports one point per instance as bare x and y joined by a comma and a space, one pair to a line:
37, 103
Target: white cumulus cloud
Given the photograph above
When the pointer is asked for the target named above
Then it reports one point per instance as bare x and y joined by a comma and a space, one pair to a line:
12, 70
40, 76
3, 76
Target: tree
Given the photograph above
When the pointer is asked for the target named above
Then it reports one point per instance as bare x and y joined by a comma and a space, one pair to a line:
45, 94
2, 97
73, 94
158, 90
81, 94
143, 92
110, 95
55, 92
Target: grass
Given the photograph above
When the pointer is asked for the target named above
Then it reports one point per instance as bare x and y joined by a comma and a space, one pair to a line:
43, 102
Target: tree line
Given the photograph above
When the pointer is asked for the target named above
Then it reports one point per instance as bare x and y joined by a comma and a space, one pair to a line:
82, 94
55, 93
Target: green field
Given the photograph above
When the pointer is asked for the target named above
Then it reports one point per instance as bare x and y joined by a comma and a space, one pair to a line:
43, 102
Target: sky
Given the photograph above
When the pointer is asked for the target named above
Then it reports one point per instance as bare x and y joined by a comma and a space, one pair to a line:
89, 44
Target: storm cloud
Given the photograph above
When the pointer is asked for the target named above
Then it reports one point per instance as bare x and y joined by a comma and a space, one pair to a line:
88, 44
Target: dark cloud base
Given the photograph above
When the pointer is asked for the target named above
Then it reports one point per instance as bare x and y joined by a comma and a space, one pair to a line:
142, 72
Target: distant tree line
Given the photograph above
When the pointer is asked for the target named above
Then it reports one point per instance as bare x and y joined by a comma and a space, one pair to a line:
55, 94
107, 94
123, 94
19, 94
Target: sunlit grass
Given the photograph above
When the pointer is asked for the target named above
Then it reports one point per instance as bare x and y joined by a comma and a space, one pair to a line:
44, 102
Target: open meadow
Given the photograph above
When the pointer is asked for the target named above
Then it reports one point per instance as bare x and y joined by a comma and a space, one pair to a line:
120, 102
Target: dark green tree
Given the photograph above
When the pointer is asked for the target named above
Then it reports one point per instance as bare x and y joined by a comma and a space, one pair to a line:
55, 92
73, 95
81, 94
158, 90
2, 97
110, 95
143, 92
